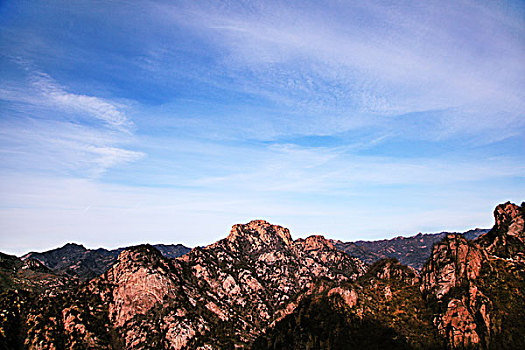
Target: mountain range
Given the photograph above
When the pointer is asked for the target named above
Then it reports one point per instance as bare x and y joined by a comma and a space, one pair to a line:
260, 289
77, 261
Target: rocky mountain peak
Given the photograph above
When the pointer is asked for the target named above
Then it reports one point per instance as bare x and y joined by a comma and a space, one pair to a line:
315, 242
257, 285
507, 213
510, 220
454, 260
229, 291
68, 249
260, 232
507, 237
143, 254
74, 246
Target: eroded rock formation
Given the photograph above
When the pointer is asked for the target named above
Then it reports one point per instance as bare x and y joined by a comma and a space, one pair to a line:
463, 281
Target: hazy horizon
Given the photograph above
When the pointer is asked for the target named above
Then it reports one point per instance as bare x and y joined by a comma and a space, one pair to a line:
170, 121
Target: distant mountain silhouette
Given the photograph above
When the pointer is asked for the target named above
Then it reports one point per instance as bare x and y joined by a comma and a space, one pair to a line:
76, 260
411, 251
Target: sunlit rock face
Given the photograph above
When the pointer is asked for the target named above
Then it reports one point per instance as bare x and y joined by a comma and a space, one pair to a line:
507, 237
140, 280
454, 261
455, 264
463, 280
241, 283
258, 234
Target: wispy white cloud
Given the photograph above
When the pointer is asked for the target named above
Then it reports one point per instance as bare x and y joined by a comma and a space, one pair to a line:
36, 145
99, 108
107, 157
48, 128
338, 171
354, 60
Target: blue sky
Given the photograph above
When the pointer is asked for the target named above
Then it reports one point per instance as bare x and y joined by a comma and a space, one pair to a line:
124, 122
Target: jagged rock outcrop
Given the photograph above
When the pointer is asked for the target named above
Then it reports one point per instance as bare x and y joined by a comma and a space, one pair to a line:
507, 237
454, 266
454, 262
462, 281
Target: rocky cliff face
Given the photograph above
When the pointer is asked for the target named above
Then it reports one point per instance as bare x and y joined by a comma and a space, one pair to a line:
477, 287
452, 270
454, 262
507, 238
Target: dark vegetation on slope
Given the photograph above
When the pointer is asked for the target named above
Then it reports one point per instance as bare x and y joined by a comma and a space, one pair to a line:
384, 310
470, 295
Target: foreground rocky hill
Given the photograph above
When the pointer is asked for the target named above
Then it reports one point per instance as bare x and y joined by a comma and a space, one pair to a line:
258, 288
411, 251
221, 296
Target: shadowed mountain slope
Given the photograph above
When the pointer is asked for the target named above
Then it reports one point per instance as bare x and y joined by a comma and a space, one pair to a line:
470, 295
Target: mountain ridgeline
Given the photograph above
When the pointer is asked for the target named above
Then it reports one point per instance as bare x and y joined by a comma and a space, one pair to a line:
411, 251
77, 261
260, 289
